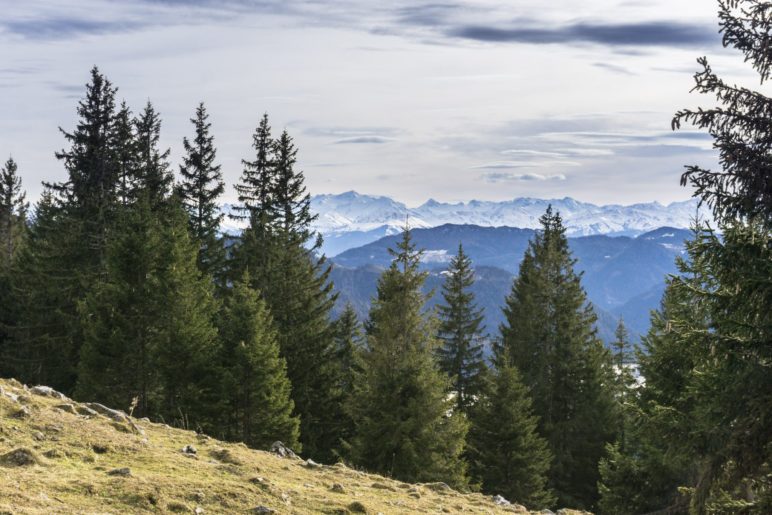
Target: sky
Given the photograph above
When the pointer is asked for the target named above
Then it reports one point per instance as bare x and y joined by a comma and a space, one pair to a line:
448, 99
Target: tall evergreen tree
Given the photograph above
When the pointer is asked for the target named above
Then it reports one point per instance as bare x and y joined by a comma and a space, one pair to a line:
460, 331
148, 327
404, 424
549, 335
280, 251
256, 389
200, 189
348, 348
126, 154
506, 452
154, 176
13, 212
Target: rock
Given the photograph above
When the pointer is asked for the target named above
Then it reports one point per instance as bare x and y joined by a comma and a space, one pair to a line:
52, 454
199, 510
189, 449
20, 457
116, 415
47, 391
357, 507
123, 472
261, 509
283, 451
547, 512
85, 411
438, 487
338, 488
312, 464
23, 412
67, 408
100, 449
500, 501
37, 435
12, 396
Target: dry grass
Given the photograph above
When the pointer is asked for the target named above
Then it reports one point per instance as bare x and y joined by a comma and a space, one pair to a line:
76, 453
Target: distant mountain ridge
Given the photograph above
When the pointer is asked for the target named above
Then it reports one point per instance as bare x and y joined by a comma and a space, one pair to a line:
351, 219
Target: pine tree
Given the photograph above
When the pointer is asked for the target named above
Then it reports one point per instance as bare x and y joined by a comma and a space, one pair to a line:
404, 424
348, 348
148, 327
549, 335
461, 353
506, 453
258, 406
155, 178
13, 212
201, 187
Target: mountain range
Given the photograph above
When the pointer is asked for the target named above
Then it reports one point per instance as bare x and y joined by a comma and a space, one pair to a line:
350, 219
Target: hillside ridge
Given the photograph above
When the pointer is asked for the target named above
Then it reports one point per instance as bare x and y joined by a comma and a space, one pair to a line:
58, 456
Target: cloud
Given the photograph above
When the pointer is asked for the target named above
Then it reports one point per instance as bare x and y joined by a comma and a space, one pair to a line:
359, 140
62, 28
647, 34
614, 68
509, 177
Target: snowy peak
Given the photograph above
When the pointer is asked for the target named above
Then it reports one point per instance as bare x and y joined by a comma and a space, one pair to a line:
354, 212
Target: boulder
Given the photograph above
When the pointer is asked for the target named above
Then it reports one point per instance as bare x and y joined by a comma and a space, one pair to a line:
189, 450
261, 510
282, 450
116, 415
47, 391
123, 472
498, 500
20, 457
311, 464
67, 408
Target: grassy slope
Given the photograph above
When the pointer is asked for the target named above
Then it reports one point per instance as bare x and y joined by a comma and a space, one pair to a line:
76, 453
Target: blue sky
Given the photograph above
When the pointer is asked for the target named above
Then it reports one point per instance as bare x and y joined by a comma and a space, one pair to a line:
453, 100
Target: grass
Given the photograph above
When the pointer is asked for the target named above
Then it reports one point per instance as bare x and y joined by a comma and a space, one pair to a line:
54, 461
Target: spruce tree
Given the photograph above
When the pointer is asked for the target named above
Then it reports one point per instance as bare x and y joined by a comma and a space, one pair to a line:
126, 155
549, 335
280, 251
348, 348
258, 407
404, 423
13, 212
200, 189
506, 452
154, 176
460, 331
148, 327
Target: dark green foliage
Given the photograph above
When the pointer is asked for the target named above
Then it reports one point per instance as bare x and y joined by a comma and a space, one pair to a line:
153, 174
257, 408
549, 337
200, 189
348, 348
148, 326
506, 453
279, 252
126, 154
460, 331
742, 188
13, 213
404, 423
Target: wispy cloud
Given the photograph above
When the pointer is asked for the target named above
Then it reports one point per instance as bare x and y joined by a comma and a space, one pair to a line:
360, 140
509, 177
656, 33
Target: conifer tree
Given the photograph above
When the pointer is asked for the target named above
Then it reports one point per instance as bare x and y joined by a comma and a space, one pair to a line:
256, 389
348, 348
280, 251
13, 212
126, 156
154, 176
506, 452
460, 331
549, 335
148, 327
200, 189
404, 423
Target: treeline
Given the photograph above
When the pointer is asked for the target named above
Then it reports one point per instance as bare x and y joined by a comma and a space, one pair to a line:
119, 287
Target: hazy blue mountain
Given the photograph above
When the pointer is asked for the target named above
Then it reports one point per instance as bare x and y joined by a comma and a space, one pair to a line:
623, 276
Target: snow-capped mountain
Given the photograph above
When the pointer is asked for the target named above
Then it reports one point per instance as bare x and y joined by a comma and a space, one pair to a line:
351, 219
